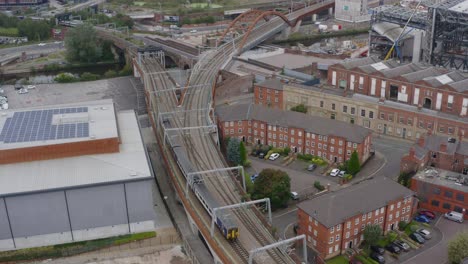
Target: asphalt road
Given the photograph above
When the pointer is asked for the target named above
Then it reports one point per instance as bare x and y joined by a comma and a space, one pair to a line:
392, 150
47, 48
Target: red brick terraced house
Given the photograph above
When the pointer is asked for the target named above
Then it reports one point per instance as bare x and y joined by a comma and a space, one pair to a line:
331, 139
269, 93
335, 221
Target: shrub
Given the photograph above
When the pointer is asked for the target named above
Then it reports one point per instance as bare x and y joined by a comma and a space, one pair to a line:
247, 163
402, 225
87, 76
299, 108
305, 157
319, 186
65, 78
286, 151
348, 177
110, 74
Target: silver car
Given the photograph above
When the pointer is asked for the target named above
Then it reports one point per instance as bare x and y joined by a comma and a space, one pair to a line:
424, 233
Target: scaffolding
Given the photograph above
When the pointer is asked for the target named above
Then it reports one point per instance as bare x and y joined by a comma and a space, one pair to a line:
447, 35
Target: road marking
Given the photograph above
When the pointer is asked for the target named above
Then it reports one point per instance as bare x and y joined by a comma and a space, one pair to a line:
380, 168
288, 212
284, 231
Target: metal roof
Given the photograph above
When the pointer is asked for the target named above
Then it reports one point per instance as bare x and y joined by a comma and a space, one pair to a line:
99, 116
313, 124
335, 208
130, 163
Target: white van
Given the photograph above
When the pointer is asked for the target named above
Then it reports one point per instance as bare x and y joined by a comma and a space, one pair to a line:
294, 196
454, 216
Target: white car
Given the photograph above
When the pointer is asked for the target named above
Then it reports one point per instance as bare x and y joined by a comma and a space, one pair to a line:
23, 91
193, 31
334, 172
4, 106
274, 156
41, 44
31, 87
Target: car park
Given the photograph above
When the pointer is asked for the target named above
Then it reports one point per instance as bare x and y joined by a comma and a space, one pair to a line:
377, 249
23, 91
424, 233
428, 214
393, 248
454, 216
377, 257
334, 172
402, 245
417, 238
274, 156
311, 167
422, 219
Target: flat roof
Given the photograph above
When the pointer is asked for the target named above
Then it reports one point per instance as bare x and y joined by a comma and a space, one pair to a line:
57, 124
444, 178
130, 163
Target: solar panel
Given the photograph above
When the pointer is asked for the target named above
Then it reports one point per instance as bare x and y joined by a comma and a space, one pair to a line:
36, 125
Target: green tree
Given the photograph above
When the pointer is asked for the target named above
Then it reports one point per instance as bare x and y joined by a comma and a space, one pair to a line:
405, 179
458, 248
354, 165
82, 45
299, 108
34, 30
233, 151
242, 153
372, 234
273, 184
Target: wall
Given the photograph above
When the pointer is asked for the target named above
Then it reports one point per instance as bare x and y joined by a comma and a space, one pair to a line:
57, 217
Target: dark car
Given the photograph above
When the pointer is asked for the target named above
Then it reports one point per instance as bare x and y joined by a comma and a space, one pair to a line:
311, 167
378, 250
261, 155
18, 86
422, 219
377, 257
393, 248
418, 238
428, 214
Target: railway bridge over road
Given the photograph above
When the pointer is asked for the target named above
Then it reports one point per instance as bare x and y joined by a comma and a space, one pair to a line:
193, 132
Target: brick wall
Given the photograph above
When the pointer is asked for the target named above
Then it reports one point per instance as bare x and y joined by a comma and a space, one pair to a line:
268, 97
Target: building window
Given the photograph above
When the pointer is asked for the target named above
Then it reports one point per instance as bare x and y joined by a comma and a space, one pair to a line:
371, 114
332, 229
382, 115
333, 107
446, 206
363, 112
315, 232
391, 207
448, 194
380, 220
356, 221
458, 209
321, 104
353, 110
330, 250
348, 224
460, 197
398, 205
390, 217
363, 226
355, 231
337, 238
435, 203
331, 240
436, 191
347, 234
345, 109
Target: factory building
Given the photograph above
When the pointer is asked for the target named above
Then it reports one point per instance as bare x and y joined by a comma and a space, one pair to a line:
70, 173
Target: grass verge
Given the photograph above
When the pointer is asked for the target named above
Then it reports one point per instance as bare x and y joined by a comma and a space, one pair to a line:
338, 260
70, 249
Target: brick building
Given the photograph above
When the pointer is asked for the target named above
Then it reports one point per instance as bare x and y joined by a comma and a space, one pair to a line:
412, 84
446, 153
331, 139
334, 221
441, 191
381, 116
269, 93
21, 2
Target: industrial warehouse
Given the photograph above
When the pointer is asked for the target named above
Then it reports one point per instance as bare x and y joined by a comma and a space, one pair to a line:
70, 173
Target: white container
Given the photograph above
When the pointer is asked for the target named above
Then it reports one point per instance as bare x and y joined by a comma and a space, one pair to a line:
322, 27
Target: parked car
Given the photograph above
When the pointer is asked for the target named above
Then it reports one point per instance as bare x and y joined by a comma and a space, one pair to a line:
311, 167
294, 196
422, 219
424, 233
334, 172
254, 177
393, 248
428, 214
18, 86
2, 91
341, 174
31, 87
23, 91
403, 245
261, 155
378, 250
274, 156
454, 216
41, 44
417, 238
377, 257
193, 31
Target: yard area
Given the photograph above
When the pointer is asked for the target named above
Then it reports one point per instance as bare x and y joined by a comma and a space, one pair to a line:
338, 260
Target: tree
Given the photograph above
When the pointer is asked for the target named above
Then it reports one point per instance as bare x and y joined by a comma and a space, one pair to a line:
242, 153
458, 248
299, 108
34, 30
372, 234
405, 178
354, 165
233, 151
82, 45
273, 184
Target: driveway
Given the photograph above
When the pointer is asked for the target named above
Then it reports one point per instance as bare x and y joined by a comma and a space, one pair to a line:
437, 253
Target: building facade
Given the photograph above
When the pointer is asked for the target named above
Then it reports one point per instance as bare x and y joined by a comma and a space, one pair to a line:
269, 93
331, 139
335, 221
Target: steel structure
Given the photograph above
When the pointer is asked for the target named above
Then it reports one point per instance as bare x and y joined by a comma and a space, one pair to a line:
447, 35
399, 15
279, 243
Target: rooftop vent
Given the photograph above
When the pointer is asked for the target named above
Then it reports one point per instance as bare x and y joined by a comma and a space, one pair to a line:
133, 173
452, 140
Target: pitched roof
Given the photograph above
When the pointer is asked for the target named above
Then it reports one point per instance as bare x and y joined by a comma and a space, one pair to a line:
461, 86
433, 142
379, 66
400, 70
449, 78
419, 75
353, 63
336, 207
272, 83
314, 124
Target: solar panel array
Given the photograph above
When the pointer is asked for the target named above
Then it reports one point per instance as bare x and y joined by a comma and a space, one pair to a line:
36, 125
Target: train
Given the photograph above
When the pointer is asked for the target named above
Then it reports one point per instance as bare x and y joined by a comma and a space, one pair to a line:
224, 221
